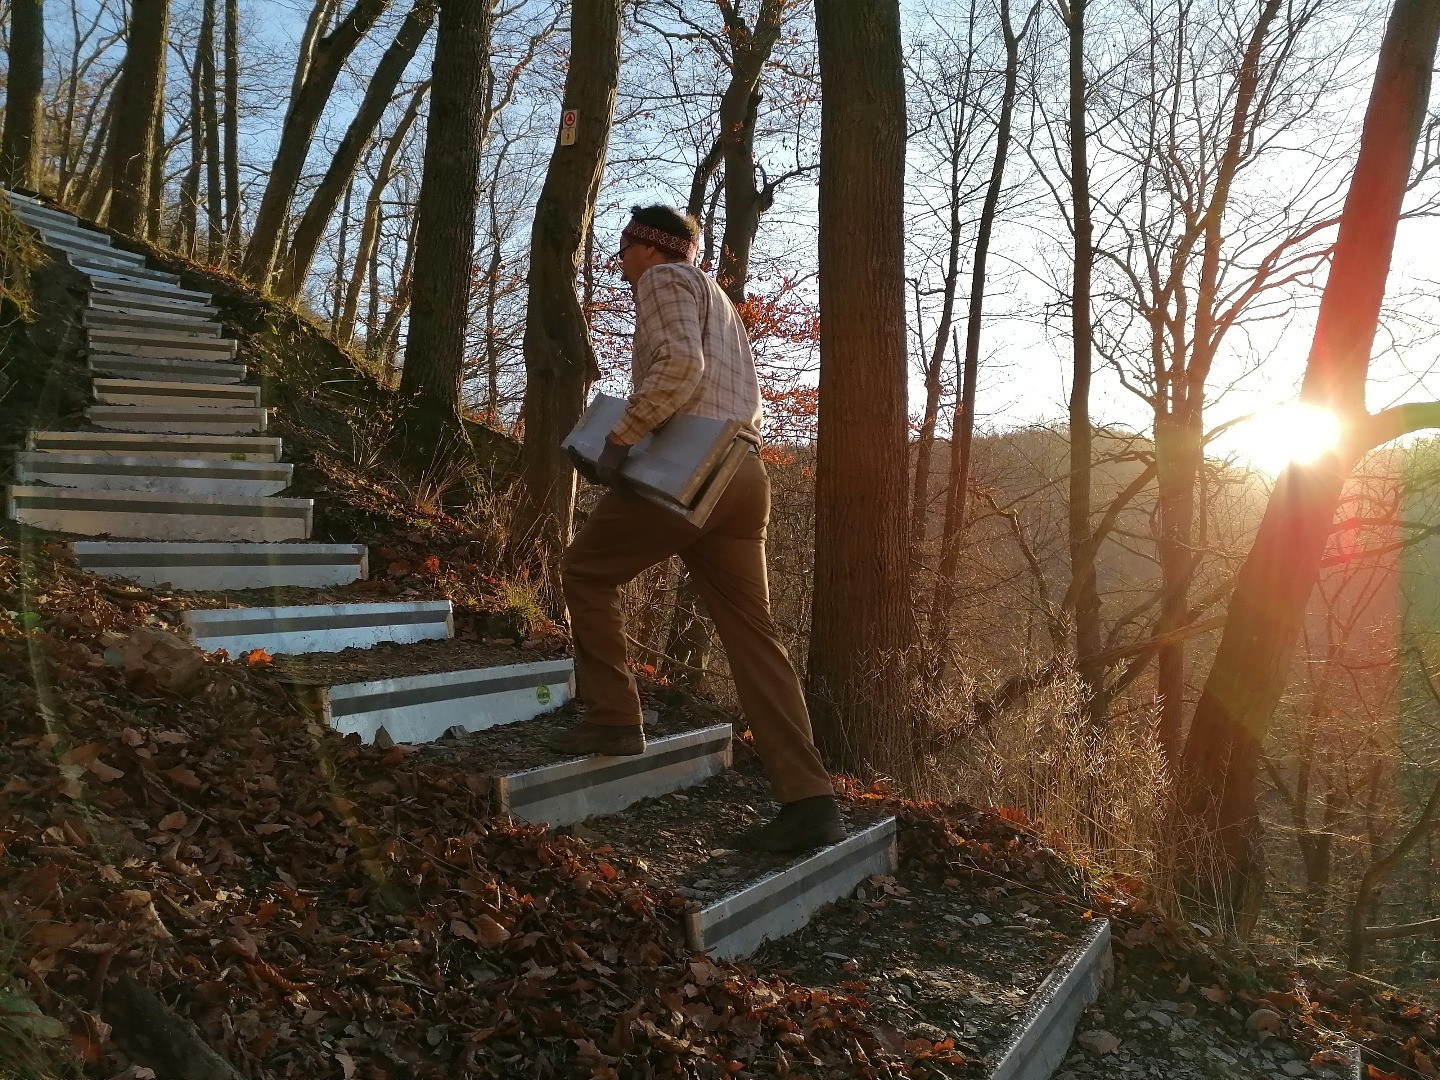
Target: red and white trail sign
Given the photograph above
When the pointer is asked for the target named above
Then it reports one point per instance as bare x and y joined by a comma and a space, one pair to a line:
569, 122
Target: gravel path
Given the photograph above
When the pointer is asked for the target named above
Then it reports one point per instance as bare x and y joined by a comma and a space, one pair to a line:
1168, 1040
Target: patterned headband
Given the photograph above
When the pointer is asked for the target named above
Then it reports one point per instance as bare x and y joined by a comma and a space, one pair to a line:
675, 245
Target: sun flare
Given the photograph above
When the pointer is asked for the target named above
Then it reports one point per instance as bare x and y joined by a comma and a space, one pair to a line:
1293, 434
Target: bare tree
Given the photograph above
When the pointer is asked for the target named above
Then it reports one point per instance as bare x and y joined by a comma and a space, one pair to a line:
378, 93
315, 75
1222, 752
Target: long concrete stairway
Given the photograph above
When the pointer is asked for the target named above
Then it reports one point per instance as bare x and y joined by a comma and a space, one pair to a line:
175, 484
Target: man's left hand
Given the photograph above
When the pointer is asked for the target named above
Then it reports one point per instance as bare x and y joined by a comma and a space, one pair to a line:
612, 460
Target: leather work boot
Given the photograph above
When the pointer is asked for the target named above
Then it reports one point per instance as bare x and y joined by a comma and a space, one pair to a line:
800, 825
587, 738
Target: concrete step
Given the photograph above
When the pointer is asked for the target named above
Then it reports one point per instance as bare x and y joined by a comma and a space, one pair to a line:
197, 395
1042, 1039
170, 476
573, 790
89, 244
421, 708
159, 368
181, 302
39, 216
220, 567
780, 903
176, 420
224, 447
116, 288
318, 628
114, 267
149, 322
171, 346
143, 516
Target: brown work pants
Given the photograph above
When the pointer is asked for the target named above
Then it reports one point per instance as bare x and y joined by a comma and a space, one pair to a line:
626, 536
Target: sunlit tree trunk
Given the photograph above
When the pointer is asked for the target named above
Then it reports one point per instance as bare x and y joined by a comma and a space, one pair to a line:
231, 123
861, 628
133, 148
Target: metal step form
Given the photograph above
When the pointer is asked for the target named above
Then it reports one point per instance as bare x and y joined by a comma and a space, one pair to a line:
187, 488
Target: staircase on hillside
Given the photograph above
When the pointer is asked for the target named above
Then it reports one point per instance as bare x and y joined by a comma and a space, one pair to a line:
174, 483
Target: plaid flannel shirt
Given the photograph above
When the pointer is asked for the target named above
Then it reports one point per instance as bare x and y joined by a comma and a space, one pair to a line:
690, 354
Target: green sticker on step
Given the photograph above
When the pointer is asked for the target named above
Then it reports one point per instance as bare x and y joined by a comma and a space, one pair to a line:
542, 695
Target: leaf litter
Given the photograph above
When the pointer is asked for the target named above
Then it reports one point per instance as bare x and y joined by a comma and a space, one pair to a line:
320, 908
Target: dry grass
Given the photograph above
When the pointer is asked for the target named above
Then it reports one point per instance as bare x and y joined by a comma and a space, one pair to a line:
1103, 796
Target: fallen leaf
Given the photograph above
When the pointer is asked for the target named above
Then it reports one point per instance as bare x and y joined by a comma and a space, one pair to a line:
491, 932
1215, 993
1098, 1041
174, 822
258, 658
104, 773
184, 777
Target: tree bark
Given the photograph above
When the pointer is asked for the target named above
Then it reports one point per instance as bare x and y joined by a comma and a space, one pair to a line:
1249, 674
559, 359
20, 145
861, 628
378, 94
139, 98
231, 123
312, 93
445, 238
187, 219
214, 211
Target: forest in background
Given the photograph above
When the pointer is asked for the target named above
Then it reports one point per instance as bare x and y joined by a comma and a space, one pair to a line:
1128, 212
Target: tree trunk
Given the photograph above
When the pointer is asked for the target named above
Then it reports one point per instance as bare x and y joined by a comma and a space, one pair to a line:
739, 107
214, 212
184, 239
559, 359
312, 94
445, 237
95, 192
139, 97
155, 210
861, 628
1083, 598
20, 145
231, 122
1274, 583
378, 93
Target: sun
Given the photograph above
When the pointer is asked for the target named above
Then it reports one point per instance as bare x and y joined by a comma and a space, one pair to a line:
1293, 434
